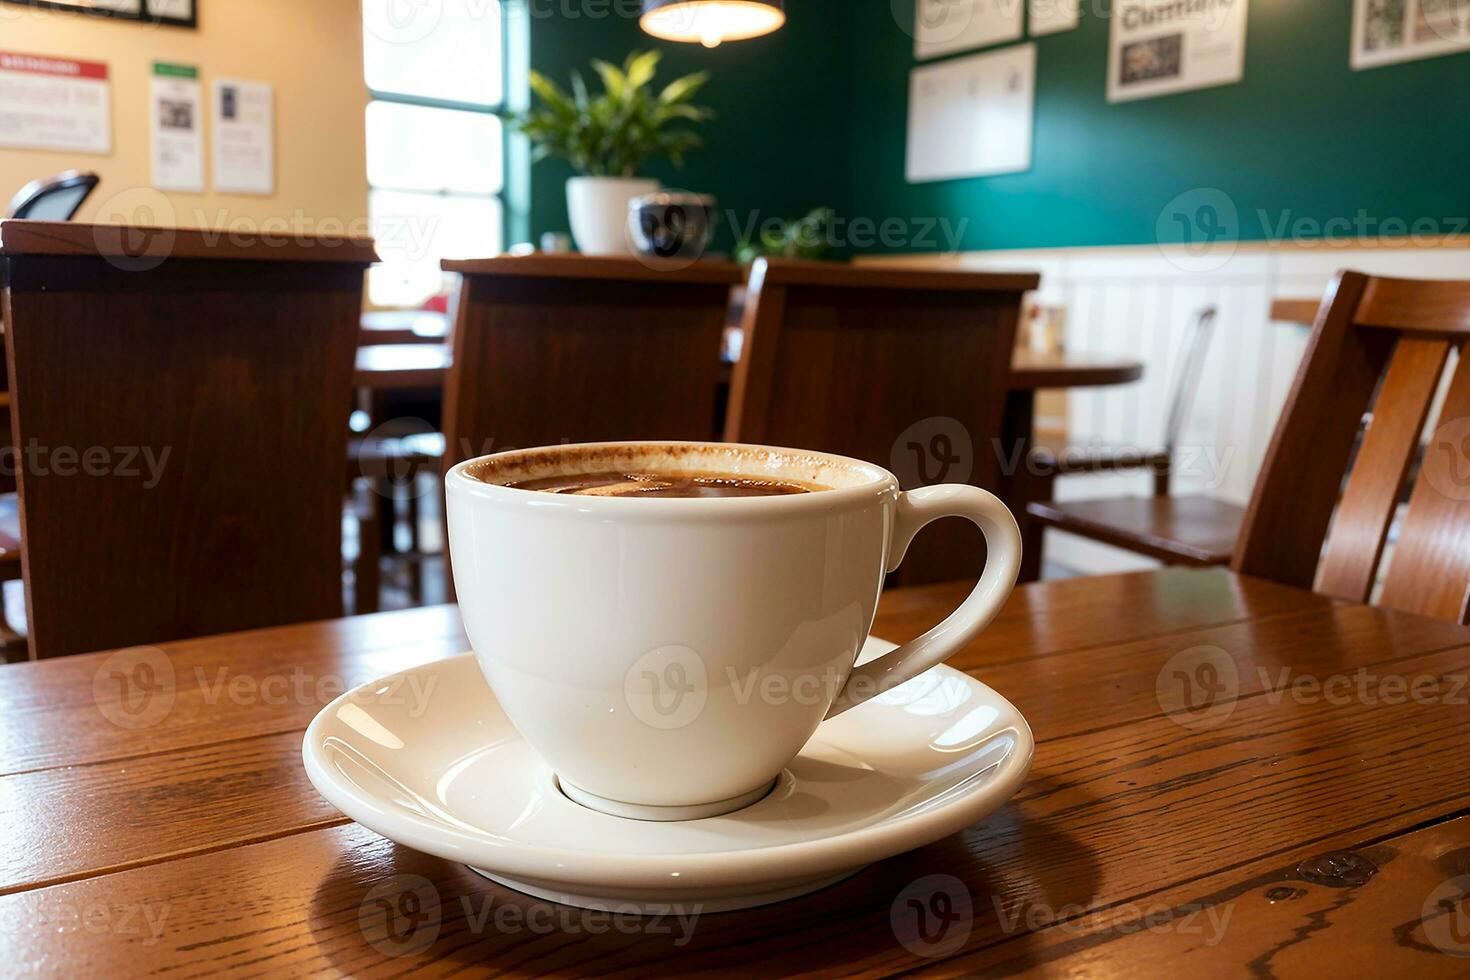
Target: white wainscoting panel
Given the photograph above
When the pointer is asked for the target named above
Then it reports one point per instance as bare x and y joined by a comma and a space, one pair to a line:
1140, 301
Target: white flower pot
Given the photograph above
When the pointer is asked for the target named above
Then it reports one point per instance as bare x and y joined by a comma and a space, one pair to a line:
598, 208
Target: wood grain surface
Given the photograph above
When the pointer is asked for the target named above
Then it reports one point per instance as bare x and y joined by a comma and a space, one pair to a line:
1301, 818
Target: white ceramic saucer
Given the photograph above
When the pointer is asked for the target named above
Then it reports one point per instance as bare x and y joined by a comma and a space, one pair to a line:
428, 759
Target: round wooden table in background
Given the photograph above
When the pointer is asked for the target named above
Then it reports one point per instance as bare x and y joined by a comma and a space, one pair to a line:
422, 365
402, 366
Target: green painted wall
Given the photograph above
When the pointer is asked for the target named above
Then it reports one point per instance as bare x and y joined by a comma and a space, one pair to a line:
778, 143
816, 114
1303, 135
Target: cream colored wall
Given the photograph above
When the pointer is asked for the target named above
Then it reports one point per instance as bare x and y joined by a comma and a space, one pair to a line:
310, 50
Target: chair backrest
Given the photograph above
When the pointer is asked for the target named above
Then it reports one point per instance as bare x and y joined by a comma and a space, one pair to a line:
179, 407
1186, 378
53, 198
1392, 338
904, 368
551, 349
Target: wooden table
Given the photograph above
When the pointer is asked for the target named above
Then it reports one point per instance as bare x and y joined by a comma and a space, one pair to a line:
402, 366
1300, 822
403, 327
1032, 372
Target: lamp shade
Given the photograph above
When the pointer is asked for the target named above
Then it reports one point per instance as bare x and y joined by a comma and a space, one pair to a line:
710, 22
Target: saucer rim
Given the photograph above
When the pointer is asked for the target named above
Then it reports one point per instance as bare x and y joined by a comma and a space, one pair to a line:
752, 865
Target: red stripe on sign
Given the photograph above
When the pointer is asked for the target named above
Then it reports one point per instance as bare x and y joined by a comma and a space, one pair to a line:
36, 64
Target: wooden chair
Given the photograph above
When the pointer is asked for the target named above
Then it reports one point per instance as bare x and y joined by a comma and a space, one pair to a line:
874, 363
551, 349
1299, 311
235, 360
1391, 337
1191, 529
57, 198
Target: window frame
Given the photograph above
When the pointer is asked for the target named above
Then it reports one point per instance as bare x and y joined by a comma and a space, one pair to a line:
499, 108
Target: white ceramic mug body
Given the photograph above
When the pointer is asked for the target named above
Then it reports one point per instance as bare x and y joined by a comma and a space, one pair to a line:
677, 653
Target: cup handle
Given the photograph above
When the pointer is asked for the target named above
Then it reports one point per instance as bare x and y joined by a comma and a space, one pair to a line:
917, 508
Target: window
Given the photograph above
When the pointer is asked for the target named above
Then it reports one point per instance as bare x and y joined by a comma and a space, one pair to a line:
435, 152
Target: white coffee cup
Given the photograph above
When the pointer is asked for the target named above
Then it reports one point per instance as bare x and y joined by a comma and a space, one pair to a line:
668, 656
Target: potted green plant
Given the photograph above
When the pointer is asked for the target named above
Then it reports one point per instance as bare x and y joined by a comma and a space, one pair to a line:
606, 137
807, 237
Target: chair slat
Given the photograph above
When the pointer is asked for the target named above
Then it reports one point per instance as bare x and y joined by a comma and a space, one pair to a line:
1417, 306
1430, 569
1377, 479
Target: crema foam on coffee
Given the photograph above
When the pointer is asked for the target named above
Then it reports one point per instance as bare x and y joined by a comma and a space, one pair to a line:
616, 483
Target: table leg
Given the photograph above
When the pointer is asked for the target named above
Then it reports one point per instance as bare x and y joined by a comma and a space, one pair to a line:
1020, 484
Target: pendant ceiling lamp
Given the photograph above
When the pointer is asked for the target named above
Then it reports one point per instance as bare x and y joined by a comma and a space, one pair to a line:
710, 22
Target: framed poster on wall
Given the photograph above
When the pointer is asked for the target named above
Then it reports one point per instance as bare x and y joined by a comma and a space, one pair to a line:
972, 117
1386, 32
179, 13
1159, 47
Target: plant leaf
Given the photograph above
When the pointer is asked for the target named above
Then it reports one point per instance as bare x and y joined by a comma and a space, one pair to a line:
613, 79
640, 68
683, 89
